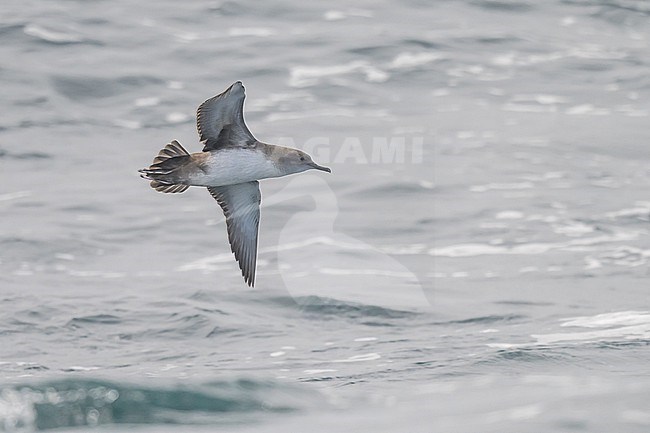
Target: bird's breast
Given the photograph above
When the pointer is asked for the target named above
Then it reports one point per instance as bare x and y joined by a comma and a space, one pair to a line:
231, 166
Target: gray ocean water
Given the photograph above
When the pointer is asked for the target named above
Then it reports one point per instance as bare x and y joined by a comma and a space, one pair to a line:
477, 261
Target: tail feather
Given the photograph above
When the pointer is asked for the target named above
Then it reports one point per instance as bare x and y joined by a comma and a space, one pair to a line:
160, 172
172, 150
168, 187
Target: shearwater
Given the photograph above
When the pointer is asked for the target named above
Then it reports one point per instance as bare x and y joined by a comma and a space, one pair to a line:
230, 165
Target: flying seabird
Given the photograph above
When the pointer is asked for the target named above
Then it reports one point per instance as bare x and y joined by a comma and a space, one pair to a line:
230, 165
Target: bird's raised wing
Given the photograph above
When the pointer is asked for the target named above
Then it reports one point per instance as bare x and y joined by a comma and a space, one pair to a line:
241, 205
220, 120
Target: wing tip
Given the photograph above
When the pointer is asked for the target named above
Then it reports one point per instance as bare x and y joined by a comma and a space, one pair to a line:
248, 266
237, 87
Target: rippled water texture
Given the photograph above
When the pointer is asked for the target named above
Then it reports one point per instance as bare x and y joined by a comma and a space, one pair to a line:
477, 261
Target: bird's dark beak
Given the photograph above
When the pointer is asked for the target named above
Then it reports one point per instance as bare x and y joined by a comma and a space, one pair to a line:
320, 167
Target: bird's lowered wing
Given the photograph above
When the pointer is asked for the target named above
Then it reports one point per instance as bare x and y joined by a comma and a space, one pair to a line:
241, 205
220, 120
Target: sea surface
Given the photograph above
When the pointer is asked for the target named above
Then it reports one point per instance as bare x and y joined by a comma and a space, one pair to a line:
476, 262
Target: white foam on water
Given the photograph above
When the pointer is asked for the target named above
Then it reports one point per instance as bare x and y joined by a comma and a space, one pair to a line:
626, 332
609, 319
615, 326
96, 274
642, 209
528, 269
587, 109
412, 249
518, 413
573, 228
147, 102
408, 60
15, 195
471, 250
568, 21
127, 124
80, 368
501, 186
468, 250
260, 32
306, 76
334, 15
521, 59
337, 14
319, 371
177, 117
528, 108
381, 272
584, 51
509, 215
175, 85
541, 98
360, 358
54, 36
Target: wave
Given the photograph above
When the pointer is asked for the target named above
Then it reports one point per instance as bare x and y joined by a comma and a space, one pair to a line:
24, 155
471, 250
607, 8
85, 87
326, 307
610, 328
88, 402
488, 319
505, 5
615, 326
56, 37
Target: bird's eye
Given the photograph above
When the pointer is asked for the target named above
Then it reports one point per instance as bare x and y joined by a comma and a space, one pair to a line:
302, 158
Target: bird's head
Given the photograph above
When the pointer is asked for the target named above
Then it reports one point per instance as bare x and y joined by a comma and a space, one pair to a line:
295, 161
